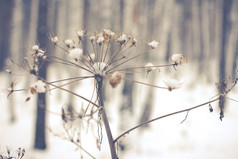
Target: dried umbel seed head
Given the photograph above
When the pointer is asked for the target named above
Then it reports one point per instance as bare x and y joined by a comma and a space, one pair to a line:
69, 43
99, 68
149, 67
100, 40
134, 41
80, 34
172, 84
38, 87
153, 44
177, 59
122, 39
92, 38
115, 79
108, 34
35, 48
76, 53
54, 39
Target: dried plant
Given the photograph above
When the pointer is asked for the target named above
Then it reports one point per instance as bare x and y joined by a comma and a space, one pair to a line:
104, 66
18, 154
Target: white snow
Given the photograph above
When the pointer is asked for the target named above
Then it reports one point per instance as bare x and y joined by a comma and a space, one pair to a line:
201, 136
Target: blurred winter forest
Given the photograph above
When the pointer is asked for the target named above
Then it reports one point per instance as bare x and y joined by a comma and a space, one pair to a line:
204, 31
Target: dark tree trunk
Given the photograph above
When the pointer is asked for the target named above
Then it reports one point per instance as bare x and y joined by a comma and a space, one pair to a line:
234, 67
225, 32
26, 10
42, 30
6, 11
86, 5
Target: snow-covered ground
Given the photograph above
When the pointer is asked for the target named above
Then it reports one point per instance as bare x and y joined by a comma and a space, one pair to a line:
201, 136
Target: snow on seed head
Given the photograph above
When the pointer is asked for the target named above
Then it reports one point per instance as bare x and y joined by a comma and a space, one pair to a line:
69, 43
108, 34
92, 38
115, 79
99, 68
134, 41
38, 87
100, 40
76, 53
35, 48
153, 44
149, 67
54, 39
177, 59
172, 84
122, 39
80, 34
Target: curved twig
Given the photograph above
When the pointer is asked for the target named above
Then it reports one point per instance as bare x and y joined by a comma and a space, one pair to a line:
163, 116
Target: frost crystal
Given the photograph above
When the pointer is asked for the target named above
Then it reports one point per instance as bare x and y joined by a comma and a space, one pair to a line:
153, 44
76, 53
115, 79
99, 68
38, 86
177, 58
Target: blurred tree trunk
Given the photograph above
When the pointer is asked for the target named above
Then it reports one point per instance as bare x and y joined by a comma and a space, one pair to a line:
86, 9
148, 106
6, 12
42, 30
127, 101
26, 10
234, 67
225, 32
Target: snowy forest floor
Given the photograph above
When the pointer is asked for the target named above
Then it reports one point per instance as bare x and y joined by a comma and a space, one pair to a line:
201, 136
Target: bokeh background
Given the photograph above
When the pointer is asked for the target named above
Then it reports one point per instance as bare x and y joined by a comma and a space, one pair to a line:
204, 31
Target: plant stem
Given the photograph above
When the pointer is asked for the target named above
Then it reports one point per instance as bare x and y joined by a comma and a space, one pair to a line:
105, 119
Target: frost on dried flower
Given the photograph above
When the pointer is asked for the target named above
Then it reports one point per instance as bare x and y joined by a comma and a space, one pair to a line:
153, 44
92, 38
100, 40
69, 43
108, 34
149, 67
99, 68
134, 41
172, 84
54, 39
80, 34
38, 87
76, 53
35, 48
115, 79
177, 59
37, 51
122, 39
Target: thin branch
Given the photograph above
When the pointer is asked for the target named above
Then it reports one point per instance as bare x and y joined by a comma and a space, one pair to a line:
66, 90
231, 99
133, 68
145, 84
163, 116
185, 118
